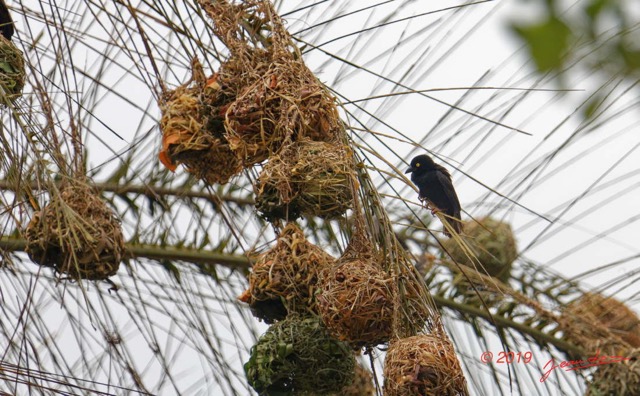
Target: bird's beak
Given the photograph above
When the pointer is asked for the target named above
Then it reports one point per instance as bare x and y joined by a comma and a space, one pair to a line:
411, 169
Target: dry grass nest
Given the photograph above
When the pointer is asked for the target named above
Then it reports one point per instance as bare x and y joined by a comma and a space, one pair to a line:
271, 94
493, 244
284, 279
297, 356
361, 384
189, 136
12, 71
356, 301
423, 365
608, 312
619, 379
308, 178
77, 235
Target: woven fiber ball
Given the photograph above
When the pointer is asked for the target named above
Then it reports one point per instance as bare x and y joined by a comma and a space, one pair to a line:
12, 71
356, 301
186, 140
298, 356
492, 243
619, 379
286, 276
273, 96
610, 313
308, 178
323, 175
361, 385
422, 365
275, 195
77, 235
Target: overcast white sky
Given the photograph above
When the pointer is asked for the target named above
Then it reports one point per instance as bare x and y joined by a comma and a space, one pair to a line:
593, 185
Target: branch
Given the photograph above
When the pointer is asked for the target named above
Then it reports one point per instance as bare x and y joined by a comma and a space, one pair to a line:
503, 322
155, 252
150, 191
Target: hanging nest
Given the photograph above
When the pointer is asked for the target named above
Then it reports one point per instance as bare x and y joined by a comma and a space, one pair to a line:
271, 94
608, 312
423, 365
298, 356
77, 235
493, 244
356, 301
619, 379
12, 71
188, 136
361, 385
284, 279
308, 178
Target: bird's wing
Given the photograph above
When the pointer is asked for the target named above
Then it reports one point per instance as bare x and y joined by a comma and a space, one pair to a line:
442, 169
447, 187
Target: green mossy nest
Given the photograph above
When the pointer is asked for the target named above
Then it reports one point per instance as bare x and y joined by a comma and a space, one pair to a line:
297, 356
77, 235
284, 279
619, 379
493, 244
423, 365
12, 71
307, 178
356, 301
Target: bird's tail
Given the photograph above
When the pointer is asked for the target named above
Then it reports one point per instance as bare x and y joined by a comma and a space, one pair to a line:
454, 221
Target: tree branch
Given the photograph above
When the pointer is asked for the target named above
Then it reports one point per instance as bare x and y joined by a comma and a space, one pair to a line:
155, 252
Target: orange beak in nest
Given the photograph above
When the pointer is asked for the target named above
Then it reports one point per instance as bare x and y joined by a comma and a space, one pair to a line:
167, 141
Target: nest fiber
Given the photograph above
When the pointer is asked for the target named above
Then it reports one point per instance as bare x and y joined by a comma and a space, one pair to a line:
297, 356
272, 95
356, 302
493, 244
619, 379
610, 313
77, 235
12, 71
423, 365
308, 178
287, 275
361, 385
185, 137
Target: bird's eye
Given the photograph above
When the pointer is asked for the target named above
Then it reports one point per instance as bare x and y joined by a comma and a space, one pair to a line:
417, 165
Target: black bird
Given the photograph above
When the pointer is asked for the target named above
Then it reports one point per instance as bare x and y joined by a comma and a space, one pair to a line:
6, 22
434, 183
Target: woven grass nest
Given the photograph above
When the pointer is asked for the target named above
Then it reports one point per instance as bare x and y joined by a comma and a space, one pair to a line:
297, 356
356, 301
271, 93
361, 384
619, 379
308, 178
190, 135
77, 235
12, 71
492, 243
423, 365
608, 312
284, 279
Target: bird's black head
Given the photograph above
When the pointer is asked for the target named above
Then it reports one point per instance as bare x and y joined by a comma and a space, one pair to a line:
421, 163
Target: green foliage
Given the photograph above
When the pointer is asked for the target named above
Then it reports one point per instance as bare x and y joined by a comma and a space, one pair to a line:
597, 35
547, 41
296, 356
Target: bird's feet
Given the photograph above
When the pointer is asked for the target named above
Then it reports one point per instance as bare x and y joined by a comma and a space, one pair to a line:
427, 205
